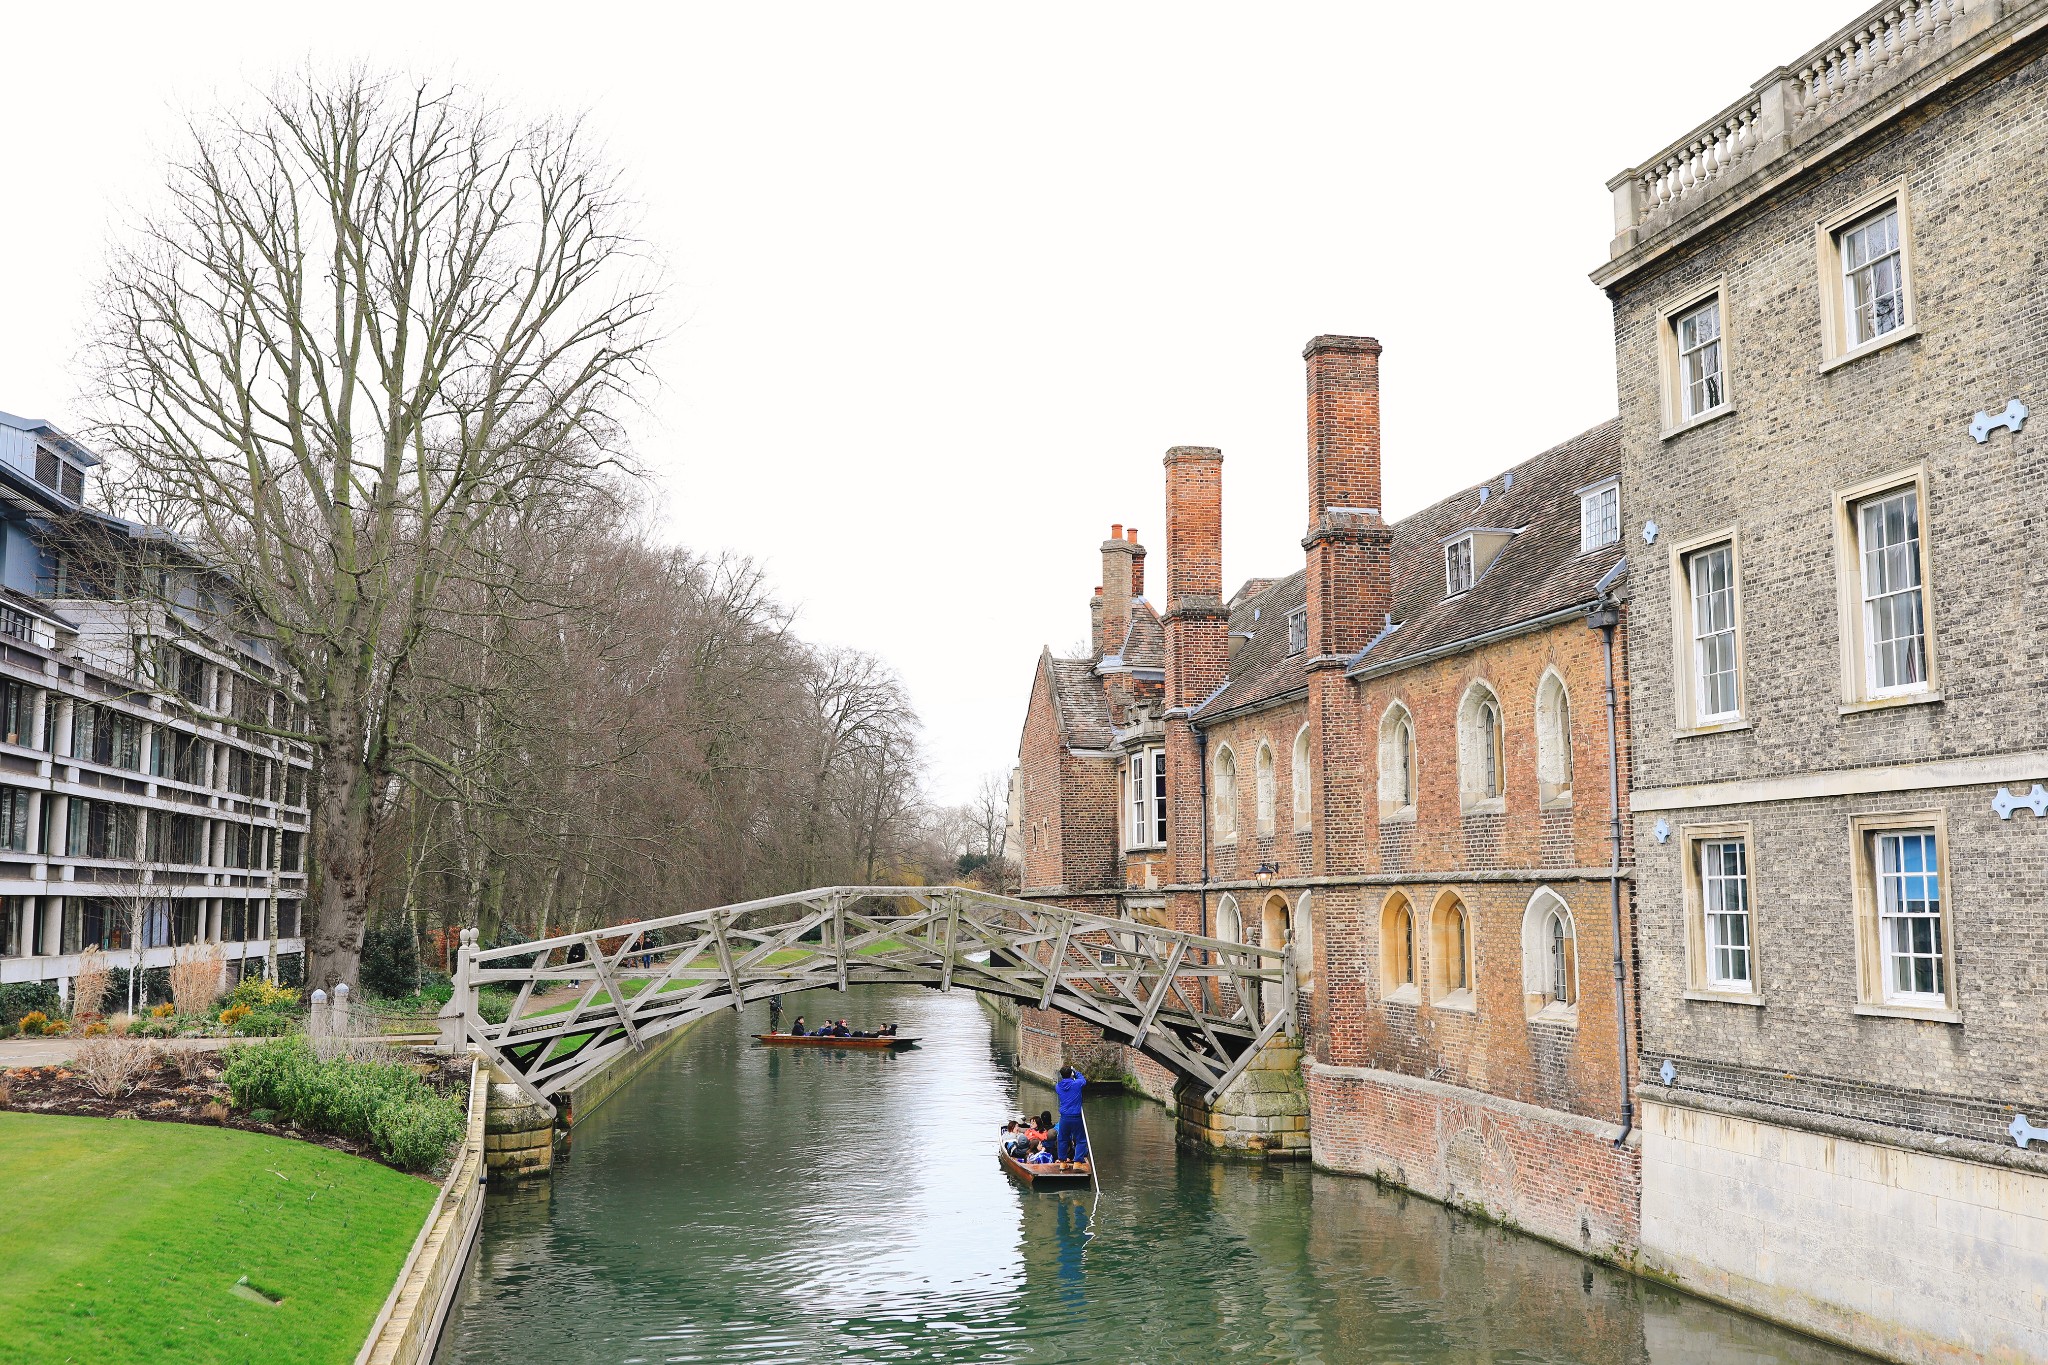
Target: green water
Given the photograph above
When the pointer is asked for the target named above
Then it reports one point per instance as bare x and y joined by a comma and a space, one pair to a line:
740, 1203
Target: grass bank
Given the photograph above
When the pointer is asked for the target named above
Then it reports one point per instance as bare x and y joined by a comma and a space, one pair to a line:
126, 1239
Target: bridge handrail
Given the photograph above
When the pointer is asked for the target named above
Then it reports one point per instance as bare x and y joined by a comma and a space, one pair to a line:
1105, 923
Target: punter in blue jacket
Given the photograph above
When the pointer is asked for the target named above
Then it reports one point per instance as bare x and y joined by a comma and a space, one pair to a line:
1072, 1137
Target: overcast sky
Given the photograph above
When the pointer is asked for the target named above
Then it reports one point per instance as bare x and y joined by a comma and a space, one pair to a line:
947, 280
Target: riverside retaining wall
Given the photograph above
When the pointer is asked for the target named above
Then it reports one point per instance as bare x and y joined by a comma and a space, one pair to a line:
409, 1327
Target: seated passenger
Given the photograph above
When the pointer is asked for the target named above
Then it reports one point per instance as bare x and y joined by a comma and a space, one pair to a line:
796, 1030
1039, 1156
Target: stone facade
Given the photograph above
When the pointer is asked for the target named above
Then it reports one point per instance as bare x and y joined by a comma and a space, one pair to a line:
1864, 1191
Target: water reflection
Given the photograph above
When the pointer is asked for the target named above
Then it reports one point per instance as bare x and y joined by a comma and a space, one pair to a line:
743, 1203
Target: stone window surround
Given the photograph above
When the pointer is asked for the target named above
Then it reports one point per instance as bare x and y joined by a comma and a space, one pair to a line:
1299, 780
1223, 794
1265, 788
1473, 799
1827, 234
1671, 401
1698, 985
1399, 941
1391, 807
1870, 993
1539, 1004
1554, 738
1442, 995
1856, 692
1144, 815
1684, 666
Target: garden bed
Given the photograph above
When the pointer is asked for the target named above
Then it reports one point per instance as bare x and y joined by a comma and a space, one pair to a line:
166, 1094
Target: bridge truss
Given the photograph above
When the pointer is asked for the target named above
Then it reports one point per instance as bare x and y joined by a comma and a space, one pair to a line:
1203, 1007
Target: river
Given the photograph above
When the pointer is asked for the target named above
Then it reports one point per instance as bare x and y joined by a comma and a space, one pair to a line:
741, 1203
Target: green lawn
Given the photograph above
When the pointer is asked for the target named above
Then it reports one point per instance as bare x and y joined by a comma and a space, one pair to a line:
125, 1239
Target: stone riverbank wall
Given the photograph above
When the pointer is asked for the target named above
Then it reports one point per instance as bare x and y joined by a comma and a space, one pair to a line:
409, 1327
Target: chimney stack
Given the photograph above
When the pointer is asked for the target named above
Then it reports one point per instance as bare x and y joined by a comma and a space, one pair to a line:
1350, 563
1122, 580
1197, 626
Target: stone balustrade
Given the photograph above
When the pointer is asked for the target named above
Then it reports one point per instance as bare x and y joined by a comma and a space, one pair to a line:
1842, 75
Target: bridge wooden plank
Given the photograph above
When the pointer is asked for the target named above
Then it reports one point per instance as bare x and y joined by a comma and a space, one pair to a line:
625, 1006
1059, 957
732, 976
1159, 994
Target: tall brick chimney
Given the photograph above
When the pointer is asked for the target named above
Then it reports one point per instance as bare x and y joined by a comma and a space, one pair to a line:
1350, 567
1197, 627
1121, 581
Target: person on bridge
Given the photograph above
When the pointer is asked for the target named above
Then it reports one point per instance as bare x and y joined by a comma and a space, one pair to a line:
1073, 1138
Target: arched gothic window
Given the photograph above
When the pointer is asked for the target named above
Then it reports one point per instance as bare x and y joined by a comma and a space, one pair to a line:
1550, 958
1229, 927
1397, 762
1225, 795
1299, 778
1450, 952
1554, 740
1482, 779
1263, 776
1397, 949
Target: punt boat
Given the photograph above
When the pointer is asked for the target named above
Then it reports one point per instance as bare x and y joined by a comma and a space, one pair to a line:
1053, 1176
807, 1040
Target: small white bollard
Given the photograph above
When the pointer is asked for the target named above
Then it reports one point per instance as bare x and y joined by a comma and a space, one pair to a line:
337, 1014
316, 1015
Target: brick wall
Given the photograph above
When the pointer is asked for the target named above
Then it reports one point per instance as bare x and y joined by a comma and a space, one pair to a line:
1560, 1179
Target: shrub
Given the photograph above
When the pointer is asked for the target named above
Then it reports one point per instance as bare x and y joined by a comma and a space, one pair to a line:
56, 1028
89, 988
495, 1003
234, 1014
416, 1133
265, 1024
385, 1104
25, 997
166, 1011
390, 963
33, 1023
95, 1029
254, 993
111, 1066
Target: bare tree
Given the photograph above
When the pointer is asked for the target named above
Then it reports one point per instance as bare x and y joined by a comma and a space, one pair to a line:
372, 319
991, 812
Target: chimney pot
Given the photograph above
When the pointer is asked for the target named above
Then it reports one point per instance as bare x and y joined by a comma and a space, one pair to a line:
1116, 530
1131, 534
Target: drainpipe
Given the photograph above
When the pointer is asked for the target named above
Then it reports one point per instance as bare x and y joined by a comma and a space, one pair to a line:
1202, 785
1604, 617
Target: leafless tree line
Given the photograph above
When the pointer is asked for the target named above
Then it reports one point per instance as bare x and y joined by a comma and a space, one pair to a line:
369, 360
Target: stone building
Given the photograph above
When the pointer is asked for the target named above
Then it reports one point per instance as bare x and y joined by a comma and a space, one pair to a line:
142, 772
1394, 762
1828, 332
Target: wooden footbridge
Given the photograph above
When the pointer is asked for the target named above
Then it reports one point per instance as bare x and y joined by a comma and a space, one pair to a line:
1202, 1007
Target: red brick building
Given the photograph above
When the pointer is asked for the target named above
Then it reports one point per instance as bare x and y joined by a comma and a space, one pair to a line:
1397, 760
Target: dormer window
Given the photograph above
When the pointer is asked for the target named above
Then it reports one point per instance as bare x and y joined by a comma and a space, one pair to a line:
47, 465
73, 482
1297, 630
1458, 566
1599, 516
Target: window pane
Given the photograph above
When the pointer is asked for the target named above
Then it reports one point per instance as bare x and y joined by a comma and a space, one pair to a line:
1909, 915
1724, 892
1893, 611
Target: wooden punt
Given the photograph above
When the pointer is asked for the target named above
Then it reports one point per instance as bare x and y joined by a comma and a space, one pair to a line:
1070, 1173
805, 1040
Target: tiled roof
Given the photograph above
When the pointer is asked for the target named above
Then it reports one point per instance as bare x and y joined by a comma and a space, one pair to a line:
1262, 669
1145, 642
1083, 705
1536, 573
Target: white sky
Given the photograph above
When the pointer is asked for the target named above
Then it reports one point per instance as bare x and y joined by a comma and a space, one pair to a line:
948, 279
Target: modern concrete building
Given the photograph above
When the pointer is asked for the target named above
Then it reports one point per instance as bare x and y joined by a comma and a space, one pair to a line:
1830, 344
146, 770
